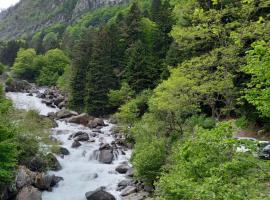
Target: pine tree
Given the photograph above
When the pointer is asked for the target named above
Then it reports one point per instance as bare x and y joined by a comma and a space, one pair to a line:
161, 14
81, 58
141, 71
100, 75
133, 20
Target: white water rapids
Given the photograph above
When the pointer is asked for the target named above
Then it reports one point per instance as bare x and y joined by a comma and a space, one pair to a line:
78, 170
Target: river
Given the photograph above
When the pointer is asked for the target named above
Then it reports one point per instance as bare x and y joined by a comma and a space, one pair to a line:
80, 171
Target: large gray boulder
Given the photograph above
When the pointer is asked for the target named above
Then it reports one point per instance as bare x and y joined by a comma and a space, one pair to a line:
83, 119
122, 169
99, 194
81, 136
136, 196
65, 114
64, 151
75, 144
106, 156
18, 86
29, 193
52, 162
96, 123
24, 177
128, 190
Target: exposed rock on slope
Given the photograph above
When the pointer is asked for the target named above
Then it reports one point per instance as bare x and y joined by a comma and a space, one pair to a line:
29, 16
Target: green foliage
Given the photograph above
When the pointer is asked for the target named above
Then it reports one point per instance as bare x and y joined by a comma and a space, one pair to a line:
33, 131
208, 167
2, 68
56, 63
8, 152
24, 67
241, 122
257, 92
131, 111
148, 159
100, 77
64, 81
9, 50
121, 96
50, 41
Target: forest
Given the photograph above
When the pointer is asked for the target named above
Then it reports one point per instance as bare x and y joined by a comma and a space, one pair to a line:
180, 77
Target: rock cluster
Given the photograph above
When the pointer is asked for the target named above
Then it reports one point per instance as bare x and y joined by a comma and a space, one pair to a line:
29, 184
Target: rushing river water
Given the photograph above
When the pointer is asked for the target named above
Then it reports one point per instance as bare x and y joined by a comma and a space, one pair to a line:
80, 171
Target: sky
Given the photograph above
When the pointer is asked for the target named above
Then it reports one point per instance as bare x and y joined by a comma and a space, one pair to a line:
7, 3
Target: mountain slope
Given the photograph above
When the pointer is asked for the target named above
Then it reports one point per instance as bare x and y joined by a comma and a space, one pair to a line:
29, 16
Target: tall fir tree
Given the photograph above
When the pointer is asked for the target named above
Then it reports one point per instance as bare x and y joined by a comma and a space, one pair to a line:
141, 72
81, 58
100, 76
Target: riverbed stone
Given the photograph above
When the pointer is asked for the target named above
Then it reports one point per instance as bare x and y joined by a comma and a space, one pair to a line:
99, 194
76, 144
130, 172
53, 163
128, 190
106, 156
64, 151
18, 86
80, 119
65, 114
43, 182
24, 177
82, 137
36, 164
123, 184
104, 146
95, 123
29, 193
122, 169
136, 196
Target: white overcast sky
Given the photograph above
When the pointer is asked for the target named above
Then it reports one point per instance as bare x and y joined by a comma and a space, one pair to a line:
7, 3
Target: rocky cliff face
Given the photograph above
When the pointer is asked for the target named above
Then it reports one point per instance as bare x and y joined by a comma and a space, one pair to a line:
29, 16
85, 5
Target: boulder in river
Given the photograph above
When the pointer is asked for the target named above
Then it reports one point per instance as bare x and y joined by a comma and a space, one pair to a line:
43, 182
24, 177
81, 136
64, 151
104, 146
122, 169
136, 196
83, 119
53, 163
130, 172
96, 123
18, 86
37, 164
99, 194
75, 144
29, 193
65, 114
128, 190
106, 156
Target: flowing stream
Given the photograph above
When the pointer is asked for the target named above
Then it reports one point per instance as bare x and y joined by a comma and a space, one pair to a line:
81, 171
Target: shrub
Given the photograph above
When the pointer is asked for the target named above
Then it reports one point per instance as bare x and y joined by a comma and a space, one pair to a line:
148, 159
207, 166
56, 63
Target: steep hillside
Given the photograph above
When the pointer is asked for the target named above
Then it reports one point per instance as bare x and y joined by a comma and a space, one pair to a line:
29, 16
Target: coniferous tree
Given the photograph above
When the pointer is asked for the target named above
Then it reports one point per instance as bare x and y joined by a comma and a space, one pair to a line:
81, 59
133, 20
141, 72
161, 14
100, 76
